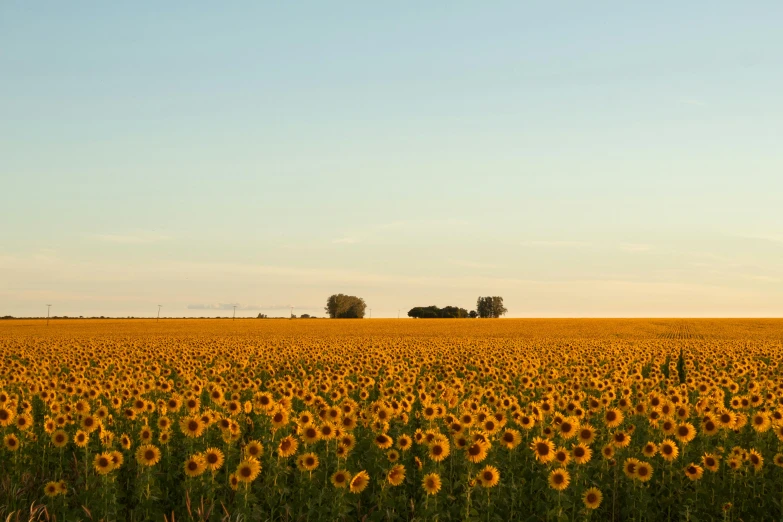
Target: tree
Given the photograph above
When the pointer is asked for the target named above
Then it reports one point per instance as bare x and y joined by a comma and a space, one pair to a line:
433, 312
472, 314
490, 307
341, 306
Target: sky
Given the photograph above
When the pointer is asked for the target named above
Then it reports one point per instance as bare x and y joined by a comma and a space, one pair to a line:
577, 158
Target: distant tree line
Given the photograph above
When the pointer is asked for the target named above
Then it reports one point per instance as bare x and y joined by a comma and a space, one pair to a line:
433, 312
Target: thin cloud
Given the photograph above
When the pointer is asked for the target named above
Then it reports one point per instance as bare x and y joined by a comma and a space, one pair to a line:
239, 306
693, 101
131, 239
762, 237
422, 223
470, 264
555, 243
345, 241
761, 278
635, 247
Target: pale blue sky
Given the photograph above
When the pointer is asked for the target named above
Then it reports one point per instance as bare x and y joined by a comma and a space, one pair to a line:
580, 159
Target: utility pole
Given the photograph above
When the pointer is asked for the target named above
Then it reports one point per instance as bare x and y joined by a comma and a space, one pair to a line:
235, 313
292, 313
48, 307
158, 319
398, 313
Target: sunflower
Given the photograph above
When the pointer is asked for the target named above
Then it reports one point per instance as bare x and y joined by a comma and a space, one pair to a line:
341, 478
581, 453
310, 434
125, 441
644, 471
592, 498
51, 489
668, 427
727, 419
89, 423
607, 451
756, 460
734, 463
327, 431
526, 422
233, 481
510, 438
393, 455
438, 451
348, 440
396, 475
59, 438
710, 461
81, 439
103, 463
694, 471
342, 452
621, 439
613, 418
164, 423
248, 470
383, 441
24, 422
629, 467
117, 458
543, 448
147, 455
668, 450
709, 426
195, 465
279, 418
359, 482
213, 458
254, 449
568, 428
685, 432
145, 435
778, 460
760, 421
308, 461
559, 479
562, 456
431, 483
650, 449
192, 427
489, 477
586, 434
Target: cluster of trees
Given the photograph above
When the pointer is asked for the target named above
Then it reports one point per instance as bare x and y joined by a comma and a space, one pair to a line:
433, 312
490, 307
341, 306
486, 307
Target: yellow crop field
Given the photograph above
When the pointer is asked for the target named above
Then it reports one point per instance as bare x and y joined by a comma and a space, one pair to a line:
636, 419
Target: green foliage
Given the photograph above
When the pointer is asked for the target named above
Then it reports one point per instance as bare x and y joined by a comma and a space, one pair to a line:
490, 307
341, 306
433, 312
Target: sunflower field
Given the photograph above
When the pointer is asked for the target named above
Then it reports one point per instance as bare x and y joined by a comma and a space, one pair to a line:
307, 420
